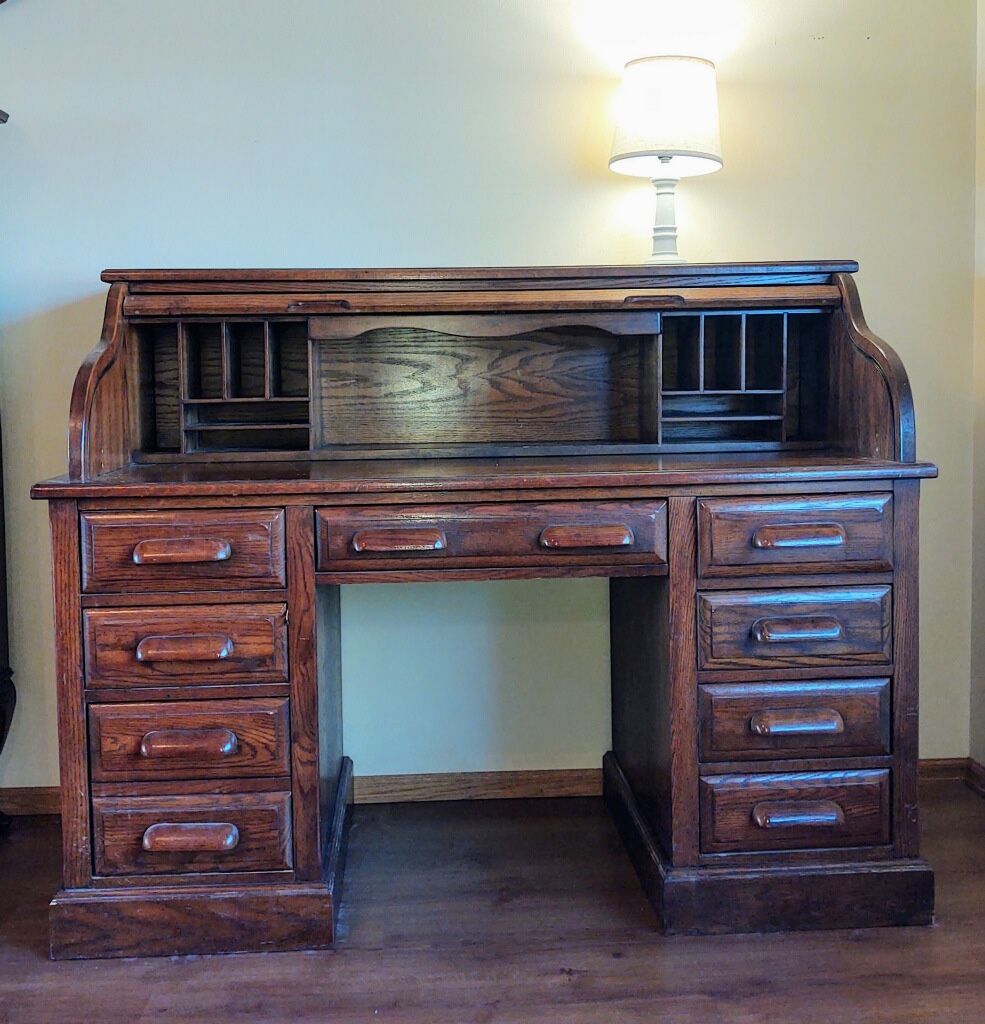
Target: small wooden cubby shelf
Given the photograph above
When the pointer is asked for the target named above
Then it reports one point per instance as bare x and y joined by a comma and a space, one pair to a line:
221, 385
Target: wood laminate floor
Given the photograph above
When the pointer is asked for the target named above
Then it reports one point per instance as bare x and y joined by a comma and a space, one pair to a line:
516, 911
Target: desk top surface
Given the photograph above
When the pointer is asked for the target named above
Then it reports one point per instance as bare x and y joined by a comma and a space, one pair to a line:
322, 477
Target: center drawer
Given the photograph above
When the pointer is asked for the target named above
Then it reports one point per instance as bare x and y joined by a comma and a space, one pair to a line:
192, 645
146, 835
794, 628
518, 534
203, 739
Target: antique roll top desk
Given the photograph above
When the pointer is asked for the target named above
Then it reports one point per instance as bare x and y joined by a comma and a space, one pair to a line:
729, 444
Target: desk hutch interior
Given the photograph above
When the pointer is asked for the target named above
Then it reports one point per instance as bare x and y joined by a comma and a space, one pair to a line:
729, 445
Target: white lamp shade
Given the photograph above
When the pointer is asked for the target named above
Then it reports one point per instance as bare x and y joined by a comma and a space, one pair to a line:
668, 108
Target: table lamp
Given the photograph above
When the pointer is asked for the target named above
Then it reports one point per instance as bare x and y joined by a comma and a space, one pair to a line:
667, 129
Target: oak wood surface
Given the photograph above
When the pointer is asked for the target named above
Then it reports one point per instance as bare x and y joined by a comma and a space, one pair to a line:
259, 838
759, 721
191, 550
759, 812
189, 740
472, 536
836, 533
190, 644
794, 628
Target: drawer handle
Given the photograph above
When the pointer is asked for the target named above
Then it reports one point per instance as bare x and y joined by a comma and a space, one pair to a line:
399, 538
191, 647
181, 551
566, 538
191, 837
798, 814
797, 722
799, 629
793, 535
211, 744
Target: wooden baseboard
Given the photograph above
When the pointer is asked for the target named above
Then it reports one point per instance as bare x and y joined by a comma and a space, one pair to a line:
390, 789
944, 769
30, 800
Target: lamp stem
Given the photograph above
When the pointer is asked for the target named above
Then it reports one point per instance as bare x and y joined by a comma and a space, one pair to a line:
665, 222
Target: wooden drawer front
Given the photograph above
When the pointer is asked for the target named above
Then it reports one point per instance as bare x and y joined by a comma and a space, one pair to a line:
529, 533
194, 645
182, 550
830, 534
794, 811
189, 740
823, 718
177, 834
794, 628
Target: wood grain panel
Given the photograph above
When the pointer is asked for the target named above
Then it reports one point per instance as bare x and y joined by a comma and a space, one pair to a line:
421, 387
837, 533
469, 536
255, 635
794, 628
189, 740
245, 549
261, 821
735, 809
817, 718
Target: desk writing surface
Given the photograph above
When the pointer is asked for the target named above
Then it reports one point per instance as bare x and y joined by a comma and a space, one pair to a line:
325, 477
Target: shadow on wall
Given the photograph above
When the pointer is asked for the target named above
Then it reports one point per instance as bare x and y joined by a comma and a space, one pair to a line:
39, 357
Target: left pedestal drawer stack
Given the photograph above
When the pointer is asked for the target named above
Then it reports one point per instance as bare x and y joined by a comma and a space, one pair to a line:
187, 694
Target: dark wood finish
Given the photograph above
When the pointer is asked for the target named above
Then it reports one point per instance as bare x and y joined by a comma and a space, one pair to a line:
819, 718
192, 645
471, 536
180, 834
200, 739
794, 811
243, 442
791, 628
185, 550
755, 535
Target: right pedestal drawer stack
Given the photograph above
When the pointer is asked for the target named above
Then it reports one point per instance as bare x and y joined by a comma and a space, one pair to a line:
795, 653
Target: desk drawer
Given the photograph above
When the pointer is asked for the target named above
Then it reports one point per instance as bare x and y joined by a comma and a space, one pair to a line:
745, 813
182, 550
843, 533
823, 718
179, 834
527, 533
191, 645
794, 628
208, 739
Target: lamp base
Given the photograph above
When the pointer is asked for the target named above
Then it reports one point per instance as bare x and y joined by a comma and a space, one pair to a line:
665, 221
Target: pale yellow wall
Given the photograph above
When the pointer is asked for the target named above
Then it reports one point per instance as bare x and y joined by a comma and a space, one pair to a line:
420, 132
978, 518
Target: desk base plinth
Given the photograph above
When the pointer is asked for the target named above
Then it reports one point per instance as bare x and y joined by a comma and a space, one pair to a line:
792, 897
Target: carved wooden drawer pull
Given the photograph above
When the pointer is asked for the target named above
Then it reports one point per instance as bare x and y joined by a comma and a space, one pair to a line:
399, 538
797, 629
798, 814
181, 551
561, 538
793, 535
191, 837
797, 722
191, 647
197, 744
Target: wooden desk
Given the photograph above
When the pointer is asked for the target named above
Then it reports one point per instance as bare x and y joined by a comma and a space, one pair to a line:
729, 444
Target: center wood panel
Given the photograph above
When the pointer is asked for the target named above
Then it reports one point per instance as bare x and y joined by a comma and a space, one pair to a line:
415, 386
